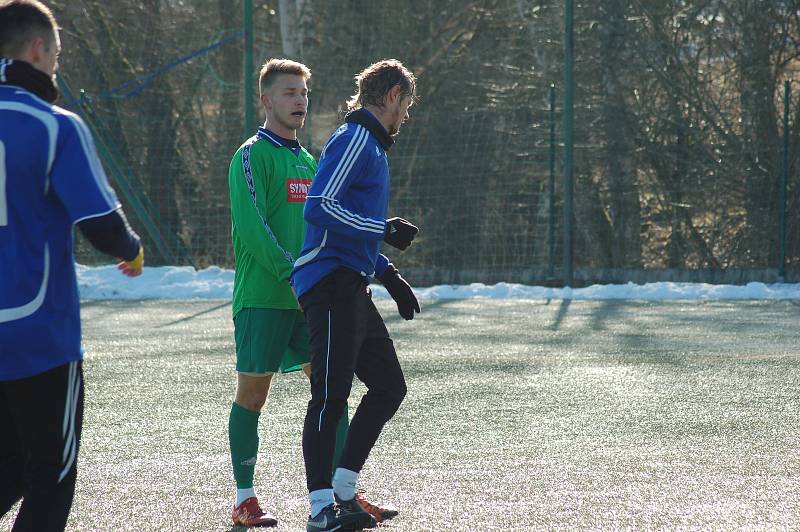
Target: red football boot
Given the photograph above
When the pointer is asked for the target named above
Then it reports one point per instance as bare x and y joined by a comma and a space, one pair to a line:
379, 513
249, 513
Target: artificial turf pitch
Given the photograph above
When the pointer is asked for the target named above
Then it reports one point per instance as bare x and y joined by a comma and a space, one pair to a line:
521, 415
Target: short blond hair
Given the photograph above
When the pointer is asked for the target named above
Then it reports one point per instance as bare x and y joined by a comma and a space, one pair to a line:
274, 67
374, 83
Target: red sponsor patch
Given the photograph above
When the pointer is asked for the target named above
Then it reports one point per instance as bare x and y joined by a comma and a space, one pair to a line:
297, 189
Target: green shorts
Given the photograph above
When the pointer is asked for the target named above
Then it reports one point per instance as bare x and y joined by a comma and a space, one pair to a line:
270, 340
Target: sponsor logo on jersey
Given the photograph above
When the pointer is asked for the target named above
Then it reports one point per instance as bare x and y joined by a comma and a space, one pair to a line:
297, 190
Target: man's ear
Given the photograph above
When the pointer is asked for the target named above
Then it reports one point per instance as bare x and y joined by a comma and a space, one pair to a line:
36, 49
394, 94
265, 101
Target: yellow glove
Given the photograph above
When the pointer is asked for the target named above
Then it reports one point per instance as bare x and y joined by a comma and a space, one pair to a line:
132, 268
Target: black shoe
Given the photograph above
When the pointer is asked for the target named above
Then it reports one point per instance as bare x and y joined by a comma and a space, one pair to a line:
352, 507
334, 517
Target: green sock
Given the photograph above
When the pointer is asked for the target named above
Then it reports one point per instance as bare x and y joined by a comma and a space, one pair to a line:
243, 437
341, 436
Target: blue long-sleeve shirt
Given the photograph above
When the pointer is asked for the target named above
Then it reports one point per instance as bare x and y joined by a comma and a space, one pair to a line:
54, 180
347, 204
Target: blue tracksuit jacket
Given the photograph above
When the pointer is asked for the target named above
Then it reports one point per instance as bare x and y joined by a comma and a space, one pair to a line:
347, 204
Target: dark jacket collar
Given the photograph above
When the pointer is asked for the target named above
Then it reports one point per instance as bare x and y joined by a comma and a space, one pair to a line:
364, 118
24, 75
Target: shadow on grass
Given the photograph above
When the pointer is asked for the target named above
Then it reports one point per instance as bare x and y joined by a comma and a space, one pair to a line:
431, 305
562, 313
195, 315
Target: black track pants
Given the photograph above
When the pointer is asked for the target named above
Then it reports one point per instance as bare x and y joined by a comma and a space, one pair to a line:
40, 426
348, 337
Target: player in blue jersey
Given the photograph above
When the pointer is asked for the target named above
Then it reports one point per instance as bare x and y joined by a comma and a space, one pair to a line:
50, 180
346, 211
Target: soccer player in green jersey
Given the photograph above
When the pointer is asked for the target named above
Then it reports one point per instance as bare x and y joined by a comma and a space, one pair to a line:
268, 180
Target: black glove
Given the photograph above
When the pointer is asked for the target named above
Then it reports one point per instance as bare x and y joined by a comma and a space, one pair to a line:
399, 233
401, 292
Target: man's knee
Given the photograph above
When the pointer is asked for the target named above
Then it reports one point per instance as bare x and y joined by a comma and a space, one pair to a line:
399, 393
393, 396
330, 409
253, 401
252, 392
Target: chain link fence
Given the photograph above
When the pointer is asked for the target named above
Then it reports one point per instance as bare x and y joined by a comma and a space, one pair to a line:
680, 145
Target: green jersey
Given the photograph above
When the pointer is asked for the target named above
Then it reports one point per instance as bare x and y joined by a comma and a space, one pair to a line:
268, 183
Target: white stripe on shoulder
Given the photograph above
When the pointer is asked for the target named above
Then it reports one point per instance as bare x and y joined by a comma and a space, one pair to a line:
339, 131
3, 64
351, 161
49, 121
89, 151
352, 151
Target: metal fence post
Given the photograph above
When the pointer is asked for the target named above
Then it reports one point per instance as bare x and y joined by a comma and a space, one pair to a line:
568, 139
787, 90
551, 188
248, 69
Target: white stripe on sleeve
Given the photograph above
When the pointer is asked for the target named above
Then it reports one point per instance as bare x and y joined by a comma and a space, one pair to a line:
344, 216
349, 157
89, 151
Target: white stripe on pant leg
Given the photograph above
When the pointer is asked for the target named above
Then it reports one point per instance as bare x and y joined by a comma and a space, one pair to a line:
327, 365
71, 443
68, 401
71, 440
68, 455
69, 459
69, 410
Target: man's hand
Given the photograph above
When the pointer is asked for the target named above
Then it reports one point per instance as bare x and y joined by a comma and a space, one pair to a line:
401, 292
134, 267
399, 233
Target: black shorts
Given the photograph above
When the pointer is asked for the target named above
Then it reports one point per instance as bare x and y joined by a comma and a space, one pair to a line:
41, 419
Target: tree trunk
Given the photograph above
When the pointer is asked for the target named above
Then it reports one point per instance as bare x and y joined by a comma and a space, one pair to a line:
759, 130
293, 18
618, 163
161, 165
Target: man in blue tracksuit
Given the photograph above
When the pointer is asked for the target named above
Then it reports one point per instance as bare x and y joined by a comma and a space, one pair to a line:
346, 210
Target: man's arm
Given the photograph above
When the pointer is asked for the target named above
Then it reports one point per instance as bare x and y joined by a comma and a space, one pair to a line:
247, 185
81, 184
344, 158
111, 234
